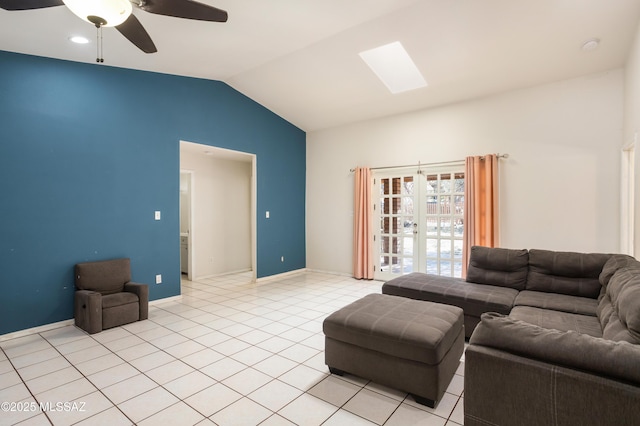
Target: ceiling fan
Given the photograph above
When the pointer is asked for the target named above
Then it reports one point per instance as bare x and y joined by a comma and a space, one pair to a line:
118, 14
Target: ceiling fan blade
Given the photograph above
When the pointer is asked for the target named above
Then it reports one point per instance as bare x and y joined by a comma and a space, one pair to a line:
187, 9
28, 4
133, 30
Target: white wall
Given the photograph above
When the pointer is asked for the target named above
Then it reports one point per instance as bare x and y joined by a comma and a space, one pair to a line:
559, 187
221, 229
632, 122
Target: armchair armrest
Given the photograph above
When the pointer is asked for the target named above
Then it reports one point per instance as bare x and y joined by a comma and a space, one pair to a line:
142, 291
88, 310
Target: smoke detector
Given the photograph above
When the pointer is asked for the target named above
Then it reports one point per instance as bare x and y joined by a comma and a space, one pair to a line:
590, 45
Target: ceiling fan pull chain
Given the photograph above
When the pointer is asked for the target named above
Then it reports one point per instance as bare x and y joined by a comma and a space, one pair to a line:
99, 57
101, 47
97, 43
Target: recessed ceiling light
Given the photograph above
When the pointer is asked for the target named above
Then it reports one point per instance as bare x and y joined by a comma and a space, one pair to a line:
79, 39
590, 45
393, 65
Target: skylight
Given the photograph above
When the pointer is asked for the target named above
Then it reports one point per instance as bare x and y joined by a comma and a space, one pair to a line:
393, 65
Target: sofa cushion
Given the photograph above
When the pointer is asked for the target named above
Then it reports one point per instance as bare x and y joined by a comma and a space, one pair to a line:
117, 299
629, 308
615, 262
624, 293
557, 302
474, 299
498, 266
119, 315
617, 283
616, 331
106, 277
604, 311
618, 360
575, 274
563, 321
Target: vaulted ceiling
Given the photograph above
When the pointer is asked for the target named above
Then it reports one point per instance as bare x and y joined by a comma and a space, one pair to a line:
300, 59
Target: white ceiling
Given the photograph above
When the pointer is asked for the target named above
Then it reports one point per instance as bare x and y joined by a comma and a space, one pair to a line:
300, 59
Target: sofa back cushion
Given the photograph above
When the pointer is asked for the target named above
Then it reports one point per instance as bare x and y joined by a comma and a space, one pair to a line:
615, 262
575, 274
106, 277
498, 266
616, 331
623, 291
604, 310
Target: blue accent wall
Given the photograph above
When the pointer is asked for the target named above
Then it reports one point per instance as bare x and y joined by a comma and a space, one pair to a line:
89, 152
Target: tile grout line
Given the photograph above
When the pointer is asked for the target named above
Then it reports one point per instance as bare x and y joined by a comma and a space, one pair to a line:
239, 297
25, 384
89, 380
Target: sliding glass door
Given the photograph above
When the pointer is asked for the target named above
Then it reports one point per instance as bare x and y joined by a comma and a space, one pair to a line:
419, 222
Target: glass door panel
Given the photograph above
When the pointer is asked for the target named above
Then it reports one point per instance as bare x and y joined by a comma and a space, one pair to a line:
421, 223
396, 236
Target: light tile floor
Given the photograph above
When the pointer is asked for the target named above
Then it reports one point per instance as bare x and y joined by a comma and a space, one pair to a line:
230, 352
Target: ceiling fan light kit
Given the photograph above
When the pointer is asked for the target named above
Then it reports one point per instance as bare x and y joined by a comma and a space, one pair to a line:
101, 13
118, 14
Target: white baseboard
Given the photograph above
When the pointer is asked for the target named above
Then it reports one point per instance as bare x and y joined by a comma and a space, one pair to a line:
34, 330
341, 274
204, 277
54, 325
165, 300
279, 276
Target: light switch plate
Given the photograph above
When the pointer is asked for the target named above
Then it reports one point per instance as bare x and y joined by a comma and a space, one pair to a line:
157, 215
159, 279
267, 214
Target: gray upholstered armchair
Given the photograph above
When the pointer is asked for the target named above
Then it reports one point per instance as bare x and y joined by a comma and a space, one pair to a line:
105, 296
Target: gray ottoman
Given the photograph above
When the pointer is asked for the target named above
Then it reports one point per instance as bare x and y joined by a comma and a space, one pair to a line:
411, 345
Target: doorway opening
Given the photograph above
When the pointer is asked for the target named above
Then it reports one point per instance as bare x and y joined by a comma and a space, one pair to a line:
218, 211
186, 182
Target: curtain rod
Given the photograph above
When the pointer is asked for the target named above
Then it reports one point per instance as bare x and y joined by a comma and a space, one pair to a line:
441, 163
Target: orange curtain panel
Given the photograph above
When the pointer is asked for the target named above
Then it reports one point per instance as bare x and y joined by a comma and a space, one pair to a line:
362, 234
481, 205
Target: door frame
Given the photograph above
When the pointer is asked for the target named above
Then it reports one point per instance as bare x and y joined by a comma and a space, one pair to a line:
627, 199
190, 257
420, 251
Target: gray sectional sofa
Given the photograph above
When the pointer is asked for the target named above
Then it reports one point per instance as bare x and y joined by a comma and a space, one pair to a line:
554, 336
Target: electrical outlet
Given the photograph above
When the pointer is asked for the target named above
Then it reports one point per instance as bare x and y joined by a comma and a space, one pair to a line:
157, 215
158, 279
267, 215
282, 259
